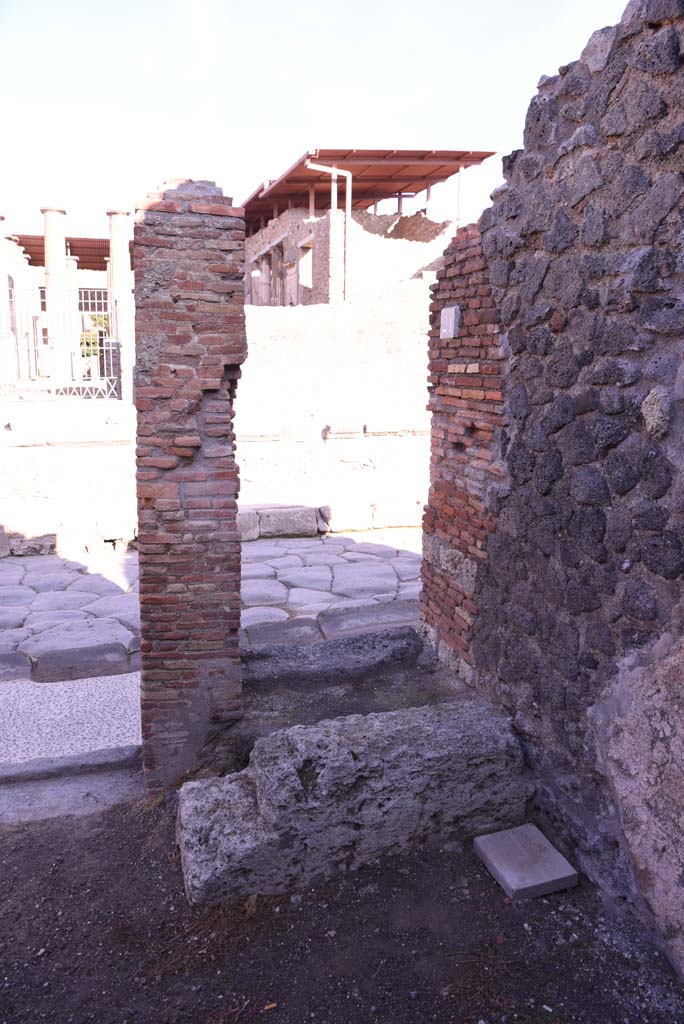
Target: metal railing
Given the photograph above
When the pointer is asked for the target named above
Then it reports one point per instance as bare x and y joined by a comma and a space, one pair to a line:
56, 343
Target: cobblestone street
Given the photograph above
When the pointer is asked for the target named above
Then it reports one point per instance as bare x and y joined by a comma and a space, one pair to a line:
60, 619
70, 632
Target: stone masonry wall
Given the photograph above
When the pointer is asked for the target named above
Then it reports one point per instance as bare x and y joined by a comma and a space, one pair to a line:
577, 595
190, 342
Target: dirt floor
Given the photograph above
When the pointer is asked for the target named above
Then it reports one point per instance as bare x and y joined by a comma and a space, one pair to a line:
95, 927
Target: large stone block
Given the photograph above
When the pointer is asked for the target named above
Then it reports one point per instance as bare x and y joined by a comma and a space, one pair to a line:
316, 801
287, 521
81, 648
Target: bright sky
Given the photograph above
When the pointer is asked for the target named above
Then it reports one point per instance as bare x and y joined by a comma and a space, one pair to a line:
101, 101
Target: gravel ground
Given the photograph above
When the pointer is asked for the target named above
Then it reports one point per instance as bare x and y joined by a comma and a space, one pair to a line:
96, 928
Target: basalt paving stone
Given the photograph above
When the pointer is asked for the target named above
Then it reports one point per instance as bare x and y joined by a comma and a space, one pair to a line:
356, 602
263, 544
351, 555
382, 550
258, 551
409, 591
79, 566
313, 577
11, 638
36, 622
11, 576
75, 634
263, 592
261, 556
406, 568
364, 580
11, 616
345, 622
62, 599
123, 607
253, 616
94, 585
257, 571
307, 611
48, 581
304, 596
294, 631
16, 596
285, 562
299, 544
73, 650
28, 562
324, 558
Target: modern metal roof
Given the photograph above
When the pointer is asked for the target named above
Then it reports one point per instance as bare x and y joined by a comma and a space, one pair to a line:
377, 174
91, 252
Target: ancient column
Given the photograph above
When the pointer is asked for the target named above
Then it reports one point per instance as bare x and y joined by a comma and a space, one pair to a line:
79, 364
190, 342
62, 345
121, 304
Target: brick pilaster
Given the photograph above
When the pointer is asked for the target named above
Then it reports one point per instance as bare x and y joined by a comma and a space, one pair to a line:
467, 415
190, 342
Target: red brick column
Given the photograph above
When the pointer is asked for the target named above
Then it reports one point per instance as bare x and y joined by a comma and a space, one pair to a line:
467, 415
190, 342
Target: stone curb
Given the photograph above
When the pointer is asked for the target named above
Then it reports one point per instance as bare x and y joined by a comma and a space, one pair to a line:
347, 658
334, 624
89, 763
267, 521
264, 521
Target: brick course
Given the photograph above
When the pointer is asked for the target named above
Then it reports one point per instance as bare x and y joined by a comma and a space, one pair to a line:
190, 343
467, 416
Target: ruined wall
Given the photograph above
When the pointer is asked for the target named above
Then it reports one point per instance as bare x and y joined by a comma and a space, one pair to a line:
190, 342
579, 583
291, 230
383, 252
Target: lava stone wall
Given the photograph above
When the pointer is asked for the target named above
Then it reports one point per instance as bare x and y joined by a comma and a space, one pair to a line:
580, 579
190, 342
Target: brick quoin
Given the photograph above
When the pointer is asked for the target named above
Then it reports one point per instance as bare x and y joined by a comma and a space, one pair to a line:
190, 343
467, 417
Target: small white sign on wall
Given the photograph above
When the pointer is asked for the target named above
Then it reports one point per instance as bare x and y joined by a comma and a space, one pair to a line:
449, 322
